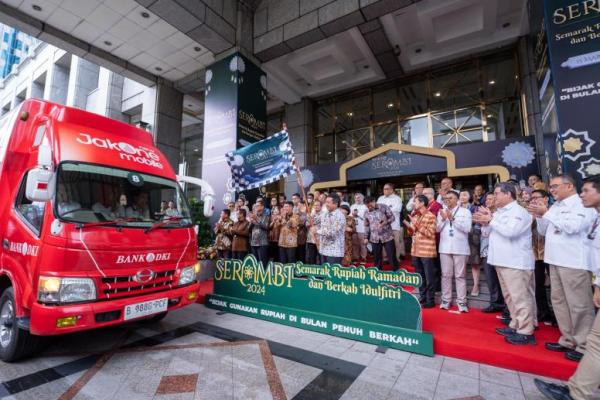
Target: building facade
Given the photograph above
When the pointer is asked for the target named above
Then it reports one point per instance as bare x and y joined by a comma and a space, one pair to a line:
370, 90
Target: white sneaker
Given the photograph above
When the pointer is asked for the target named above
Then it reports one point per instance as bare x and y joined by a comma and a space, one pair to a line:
463, 307
445, 305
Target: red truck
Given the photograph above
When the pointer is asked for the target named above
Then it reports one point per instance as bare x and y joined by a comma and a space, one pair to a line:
95, 229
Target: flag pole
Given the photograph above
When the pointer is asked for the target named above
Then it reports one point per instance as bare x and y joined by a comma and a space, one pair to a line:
298, 175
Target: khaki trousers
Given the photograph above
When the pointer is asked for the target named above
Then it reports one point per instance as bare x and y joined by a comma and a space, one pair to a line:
516, 287
359, 248
399, 243
571, 294
454, 267
587, 376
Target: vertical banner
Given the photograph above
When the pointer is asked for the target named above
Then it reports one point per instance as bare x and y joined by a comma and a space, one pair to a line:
235, 115
573, 29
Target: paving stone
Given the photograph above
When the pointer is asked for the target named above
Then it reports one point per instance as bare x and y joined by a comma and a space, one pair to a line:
500, 376
450, 386
494, 391
458, 367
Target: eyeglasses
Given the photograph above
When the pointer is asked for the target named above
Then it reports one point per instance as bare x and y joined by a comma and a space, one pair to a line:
556, 185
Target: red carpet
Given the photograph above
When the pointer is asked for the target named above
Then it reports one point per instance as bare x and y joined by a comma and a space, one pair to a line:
472, 337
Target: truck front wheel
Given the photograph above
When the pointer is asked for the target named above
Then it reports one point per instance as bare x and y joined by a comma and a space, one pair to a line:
15, 343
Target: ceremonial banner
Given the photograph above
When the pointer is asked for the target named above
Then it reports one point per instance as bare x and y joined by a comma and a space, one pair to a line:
357, 303
262, 162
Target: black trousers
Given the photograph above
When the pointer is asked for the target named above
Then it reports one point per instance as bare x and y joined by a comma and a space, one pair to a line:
541, 297
390, 248
425, 267
330, 259
301, 253
311, 253
226, 254
261, 253
274, 251
239, 255
491, 276
287, 255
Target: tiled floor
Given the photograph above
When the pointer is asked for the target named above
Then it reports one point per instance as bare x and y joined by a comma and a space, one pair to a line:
197, 353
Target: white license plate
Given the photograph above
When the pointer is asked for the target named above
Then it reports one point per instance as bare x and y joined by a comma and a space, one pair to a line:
146, 308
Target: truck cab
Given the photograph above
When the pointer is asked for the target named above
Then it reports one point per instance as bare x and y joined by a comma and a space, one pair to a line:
95, 229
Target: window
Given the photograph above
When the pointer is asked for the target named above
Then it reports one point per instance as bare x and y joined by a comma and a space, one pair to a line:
32, 212
89, 193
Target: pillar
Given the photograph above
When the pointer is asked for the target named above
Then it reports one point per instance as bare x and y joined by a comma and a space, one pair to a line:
166, 126
299, 120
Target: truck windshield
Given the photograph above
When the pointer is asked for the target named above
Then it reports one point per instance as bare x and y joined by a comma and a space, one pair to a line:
88, 193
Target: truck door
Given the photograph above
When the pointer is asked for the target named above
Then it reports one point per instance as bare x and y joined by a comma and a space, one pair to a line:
21, 240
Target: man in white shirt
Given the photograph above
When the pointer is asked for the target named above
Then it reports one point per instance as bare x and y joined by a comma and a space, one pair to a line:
416, 192
445, 187
357, 211
454, 225
510, 251
394, 202
565, 226
587, 376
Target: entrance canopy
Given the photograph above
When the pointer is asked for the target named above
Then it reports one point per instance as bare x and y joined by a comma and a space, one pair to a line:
395, 159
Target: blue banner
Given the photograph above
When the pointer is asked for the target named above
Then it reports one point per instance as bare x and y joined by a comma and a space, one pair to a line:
262, 162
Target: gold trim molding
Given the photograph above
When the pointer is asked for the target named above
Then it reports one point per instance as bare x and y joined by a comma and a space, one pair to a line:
452, 171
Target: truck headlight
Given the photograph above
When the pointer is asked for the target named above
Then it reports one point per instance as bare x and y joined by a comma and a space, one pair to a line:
65, 290
188, 274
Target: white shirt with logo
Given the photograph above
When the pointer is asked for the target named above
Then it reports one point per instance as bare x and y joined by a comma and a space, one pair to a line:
566, 226
394, 202
593, 243
454, 237
510, 243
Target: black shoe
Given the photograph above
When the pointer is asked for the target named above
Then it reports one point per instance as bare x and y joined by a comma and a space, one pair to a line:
491, 309
505, 331
556, 347
520, 339
574, 355
552, 390
428, 305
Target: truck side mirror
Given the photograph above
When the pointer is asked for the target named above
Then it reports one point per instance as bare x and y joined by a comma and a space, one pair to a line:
40, 184
40, 180
209, 205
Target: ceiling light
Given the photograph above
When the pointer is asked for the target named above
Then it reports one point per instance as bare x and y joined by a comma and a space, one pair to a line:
437, 94
350, 114
145, 14
328, 152
196, 149
390, 105
158, 69
36, 7
108, 43
492, 82
489, 116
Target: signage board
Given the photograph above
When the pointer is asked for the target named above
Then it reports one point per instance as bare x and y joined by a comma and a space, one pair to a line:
573, 29
358, 303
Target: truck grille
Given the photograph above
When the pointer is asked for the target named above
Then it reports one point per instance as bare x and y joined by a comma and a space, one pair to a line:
124, 286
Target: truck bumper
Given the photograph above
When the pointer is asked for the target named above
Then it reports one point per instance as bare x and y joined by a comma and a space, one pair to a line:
44, 318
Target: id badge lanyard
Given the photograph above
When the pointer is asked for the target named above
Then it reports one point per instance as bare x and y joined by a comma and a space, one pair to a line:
451, 231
